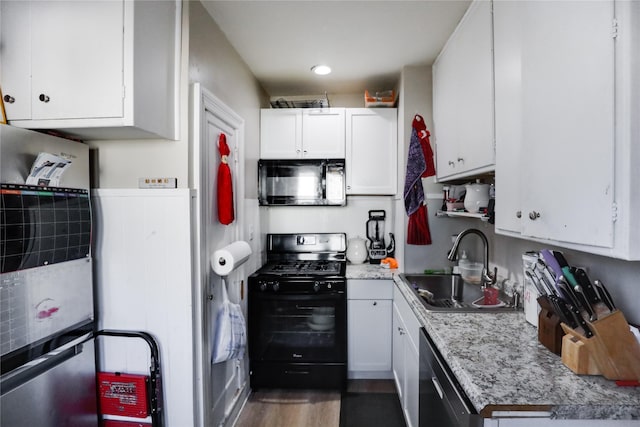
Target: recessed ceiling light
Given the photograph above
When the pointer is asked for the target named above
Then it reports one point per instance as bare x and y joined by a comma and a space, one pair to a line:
321, 70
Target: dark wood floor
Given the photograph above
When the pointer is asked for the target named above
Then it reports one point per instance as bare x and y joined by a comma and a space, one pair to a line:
302, 408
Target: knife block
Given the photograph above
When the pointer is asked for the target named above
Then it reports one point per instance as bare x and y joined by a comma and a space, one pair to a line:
549, 329
612, 351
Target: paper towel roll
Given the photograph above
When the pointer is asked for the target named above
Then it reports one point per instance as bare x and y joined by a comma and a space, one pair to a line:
227, 259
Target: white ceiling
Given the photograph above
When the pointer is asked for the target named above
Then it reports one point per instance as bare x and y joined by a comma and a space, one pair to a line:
366, 43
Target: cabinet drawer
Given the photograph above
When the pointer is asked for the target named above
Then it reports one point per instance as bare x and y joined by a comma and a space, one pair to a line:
369, 289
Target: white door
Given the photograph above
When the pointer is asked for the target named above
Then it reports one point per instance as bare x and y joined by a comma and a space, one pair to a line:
221, 384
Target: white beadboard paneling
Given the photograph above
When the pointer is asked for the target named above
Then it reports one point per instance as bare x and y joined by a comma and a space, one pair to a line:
143, 279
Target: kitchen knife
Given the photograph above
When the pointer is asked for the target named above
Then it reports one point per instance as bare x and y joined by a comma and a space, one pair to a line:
575, 312
563, 311
536, 282
551, 263
587, 287
578, 292
568, 299
540, 269
580, 298
604, 294
566, 271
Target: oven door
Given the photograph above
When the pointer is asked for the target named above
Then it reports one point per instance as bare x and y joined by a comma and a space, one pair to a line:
298, 328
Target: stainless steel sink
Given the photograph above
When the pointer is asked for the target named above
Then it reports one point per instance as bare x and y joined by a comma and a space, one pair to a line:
449, 293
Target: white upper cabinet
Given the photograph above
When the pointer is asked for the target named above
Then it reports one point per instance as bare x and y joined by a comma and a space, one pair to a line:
96, 69
554, 74
372, 151
295, 133
463, 98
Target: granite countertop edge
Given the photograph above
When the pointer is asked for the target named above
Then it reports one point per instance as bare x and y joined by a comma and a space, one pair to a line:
500, 364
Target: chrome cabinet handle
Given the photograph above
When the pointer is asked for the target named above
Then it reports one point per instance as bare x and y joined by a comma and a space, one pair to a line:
451, 163
375, 303
9, 99
460, 160
438, 387
43, 98
533, 215
519, 214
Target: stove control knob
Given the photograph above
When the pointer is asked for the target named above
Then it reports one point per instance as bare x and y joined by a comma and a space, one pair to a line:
316, 286
263, 286
276, 286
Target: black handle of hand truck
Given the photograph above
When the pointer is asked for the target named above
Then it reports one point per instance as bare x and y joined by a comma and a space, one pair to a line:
155, 386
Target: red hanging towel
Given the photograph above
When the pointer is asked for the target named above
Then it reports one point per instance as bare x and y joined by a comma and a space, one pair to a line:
225, 185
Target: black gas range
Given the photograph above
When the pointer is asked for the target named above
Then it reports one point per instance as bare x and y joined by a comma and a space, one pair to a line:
298, 313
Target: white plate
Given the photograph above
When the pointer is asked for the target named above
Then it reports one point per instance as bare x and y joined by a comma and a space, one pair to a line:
320, 327
478, 303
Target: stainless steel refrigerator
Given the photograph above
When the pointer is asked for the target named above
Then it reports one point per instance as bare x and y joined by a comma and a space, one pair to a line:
46, 289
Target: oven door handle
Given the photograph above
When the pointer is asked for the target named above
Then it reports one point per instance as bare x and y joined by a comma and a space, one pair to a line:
300, 297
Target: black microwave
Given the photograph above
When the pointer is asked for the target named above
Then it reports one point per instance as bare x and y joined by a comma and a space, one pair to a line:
304, 182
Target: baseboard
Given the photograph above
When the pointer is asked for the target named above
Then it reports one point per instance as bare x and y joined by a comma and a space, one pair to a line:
241, 401
370, 375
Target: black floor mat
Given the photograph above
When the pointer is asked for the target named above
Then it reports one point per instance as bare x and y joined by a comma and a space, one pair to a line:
371, 409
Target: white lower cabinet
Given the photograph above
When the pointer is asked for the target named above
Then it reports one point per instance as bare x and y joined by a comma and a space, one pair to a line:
406, 368
369, 328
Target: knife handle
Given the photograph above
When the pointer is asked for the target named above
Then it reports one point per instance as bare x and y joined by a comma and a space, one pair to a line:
604, 294
551, 262
587, 287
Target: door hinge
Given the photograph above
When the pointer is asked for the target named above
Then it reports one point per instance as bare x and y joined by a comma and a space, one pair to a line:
614, 28
124, 92
614, 212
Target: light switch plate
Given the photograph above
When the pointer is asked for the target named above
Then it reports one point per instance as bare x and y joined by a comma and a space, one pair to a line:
157, 182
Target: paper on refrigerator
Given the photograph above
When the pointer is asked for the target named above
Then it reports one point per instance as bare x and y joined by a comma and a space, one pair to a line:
47, 170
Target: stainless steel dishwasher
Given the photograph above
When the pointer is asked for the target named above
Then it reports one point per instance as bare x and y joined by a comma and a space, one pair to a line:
443, 402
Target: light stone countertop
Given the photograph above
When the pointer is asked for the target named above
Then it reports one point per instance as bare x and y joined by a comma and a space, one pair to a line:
500, 364
369, 271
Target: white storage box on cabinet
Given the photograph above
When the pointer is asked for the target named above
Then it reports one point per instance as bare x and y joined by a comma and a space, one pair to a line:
302, 133
95, 69
463, 98
372, 151
369, 306
406, 361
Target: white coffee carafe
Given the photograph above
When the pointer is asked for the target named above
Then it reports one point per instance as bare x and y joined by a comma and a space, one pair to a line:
477, 197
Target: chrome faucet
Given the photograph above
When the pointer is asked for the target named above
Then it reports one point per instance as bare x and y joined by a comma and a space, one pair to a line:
487, 277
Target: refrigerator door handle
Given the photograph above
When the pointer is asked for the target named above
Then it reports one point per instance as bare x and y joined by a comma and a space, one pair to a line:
38, 367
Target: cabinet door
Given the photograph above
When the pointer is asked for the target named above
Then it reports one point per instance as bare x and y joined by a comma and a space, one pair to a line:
369, 335
463, 97
398, 353
567, 115
15, 65
412, 391
323, 133
507, 27
77, 59
372, 151
281, 134
475, 89
445, 94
